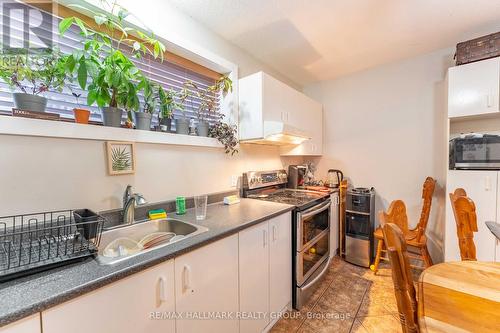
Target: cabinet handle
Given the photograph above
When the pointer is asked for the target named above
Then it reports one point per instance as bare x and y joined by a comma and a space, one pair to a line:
264, 237
185, 278
489, 102
162, 290
275, 233
487, 183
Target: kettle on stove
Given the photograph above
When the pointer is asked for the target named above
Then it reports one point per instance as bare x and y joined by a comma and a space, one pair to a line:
334, 178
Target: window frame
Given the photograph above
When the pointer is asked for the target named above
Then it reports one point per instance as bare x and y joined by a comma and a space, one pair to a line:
179, 51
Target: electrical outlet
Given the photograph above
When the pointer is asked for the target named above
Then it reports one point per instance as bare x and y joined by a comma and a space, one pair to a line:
234, 181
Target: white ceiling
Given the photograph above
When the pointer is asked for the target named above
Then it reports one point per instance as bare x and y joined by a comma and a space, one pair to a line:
317, 40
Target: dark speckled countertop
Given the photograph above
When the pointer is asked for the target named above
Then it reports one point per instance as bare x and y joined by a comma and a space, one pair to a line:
25, 296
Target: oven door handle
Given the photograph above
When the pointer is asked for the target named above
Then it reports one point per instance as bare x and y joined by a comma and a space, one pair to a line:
316, 209
319, 276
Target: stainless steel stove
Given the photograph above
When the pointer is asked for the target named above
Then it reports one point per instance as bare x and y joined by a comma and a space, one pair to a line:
310, 227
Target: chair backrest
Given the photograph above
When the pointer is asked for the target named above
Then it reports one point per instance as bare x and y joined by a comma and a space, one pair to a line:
402, 278
427, 193
464, 210
396, 213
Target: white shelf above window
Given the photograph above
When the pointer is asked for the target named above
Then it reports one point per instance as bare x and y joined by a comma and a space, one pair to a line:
58, 129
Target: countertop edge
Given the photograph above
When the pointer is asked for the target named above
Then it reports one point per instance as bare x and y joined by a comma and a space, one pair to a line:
127, 271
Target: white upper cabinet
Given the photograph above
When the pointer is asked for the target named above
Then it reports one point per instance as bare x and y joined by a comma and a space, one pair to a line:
273, 113
128, 305
206, 282
474, 89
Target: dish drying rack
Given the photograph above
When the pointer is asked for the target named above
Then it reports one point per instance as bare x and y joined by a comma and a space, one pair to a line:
31, 243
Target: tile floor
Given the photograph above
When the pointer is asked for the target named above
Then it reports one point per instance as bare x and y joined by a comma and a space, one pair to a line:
351, 299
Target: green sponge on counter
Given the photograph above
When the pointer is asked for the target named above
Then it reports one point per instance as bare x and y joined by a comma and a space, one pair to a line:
156, 214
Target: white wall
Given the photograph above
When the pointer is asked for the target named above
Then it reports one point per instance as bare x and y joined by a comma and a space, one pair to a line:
45, 173
386, 127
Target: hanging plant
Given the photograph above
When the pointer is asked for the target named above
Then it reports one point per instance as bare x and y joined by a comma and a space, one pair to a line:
225, 134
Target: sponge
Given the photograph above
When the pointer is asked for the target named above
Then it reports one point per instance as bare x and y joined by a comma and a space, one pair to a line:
157, 214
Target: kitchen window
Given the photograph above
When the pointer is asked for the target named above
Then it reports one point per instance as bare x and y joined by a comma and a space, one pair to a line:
171, 73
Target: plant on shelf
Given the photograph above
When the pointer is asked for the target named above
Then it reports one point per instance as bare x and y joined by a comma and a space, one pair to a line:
168, 104
32, 75
182, 124
81, 115
209, 99
225, 134
113, 76
144, 116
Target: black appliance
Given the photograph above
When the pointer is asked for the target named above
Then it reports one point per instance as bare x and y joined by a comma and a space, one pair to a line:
296, 176
475, 152
359, 225
310, 228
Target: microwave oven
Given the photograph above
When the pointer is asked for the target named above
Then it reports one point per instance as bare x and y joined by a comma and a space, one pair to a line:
475, 152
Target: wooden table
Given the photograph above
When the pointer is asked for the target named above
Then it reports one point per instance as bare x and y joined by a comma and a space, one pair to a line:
460, 296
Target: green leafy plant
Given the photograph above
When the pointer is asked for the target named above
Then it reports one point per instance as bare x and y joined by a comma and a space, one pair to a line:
168, 102
120, 159
225, 134
34, 73
209, 96
114, 78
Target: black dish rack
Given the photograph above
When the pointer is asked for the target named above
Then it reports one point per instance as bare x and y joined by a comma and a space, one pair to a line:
31, 243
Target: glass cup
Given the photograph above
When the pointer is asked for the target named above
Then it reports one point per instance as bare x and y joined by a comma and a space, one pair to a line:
200, 206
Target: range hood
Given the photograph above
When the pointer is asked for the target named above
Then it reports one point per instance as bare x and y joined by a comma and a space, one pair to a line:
277, 133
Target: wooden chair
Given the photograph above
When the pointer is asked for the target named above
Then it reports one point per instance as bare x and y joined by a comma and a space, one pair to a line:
402, 278
414, 237
464, 210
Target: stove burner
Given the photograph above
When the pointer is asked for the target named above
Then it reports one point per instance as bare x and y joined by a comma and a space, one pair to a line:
291, 197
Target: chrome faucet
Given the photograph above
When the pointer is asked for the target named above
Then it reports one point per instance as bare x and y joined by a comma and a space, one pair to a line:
130, 201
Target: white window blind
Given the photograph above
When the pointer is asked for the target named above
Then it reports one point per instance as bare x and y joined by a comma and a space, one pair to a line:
169, 75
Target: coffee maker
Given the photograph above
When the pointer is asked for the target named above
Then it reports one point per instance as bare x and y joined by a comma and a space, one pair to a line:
296, 176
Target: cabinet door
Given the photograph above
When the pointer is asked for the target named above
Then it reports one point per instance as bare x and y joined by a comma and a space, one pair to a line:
481, 187
254, 276
473, 89
334, 224
280, 262
206, 282
30, 324
129, 305
278, 100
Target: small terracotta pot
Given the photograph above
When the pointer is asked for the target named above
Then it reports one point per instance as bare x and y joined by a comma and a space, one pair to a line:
81, 116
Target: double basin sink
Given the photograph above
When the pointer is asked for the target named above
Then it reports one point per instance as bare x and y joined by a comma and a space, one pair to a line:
139, 230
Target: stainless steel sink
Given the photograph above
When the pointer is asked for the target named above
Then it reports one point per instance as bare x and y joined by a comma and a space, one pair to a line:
138, 230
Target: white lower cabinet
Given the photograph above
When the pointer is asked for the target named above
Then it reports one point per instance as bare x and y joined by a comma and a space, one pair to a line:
265, 276
254, 278
30, 324
280, 262
206, 288
129, 305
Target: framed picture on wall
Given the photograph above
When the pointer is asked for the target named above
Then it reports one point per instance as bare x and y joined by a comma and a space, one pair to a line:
121, 157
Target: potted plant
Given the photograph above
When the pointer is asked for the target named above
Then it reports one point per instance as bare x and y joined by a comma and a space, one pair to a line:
208, 101
113, 75
81, 115
143, 117
168, 104
182, 124
33, 75
225, 134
